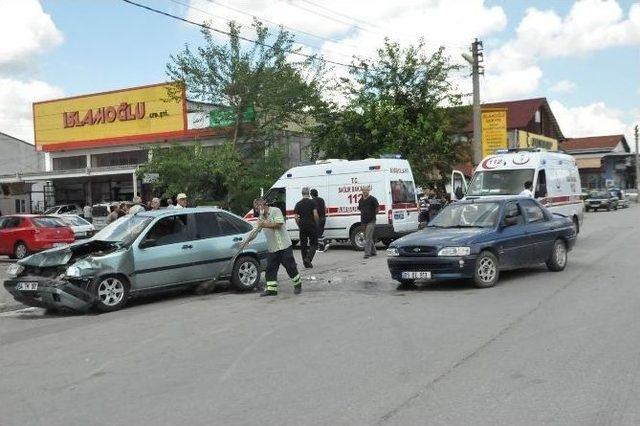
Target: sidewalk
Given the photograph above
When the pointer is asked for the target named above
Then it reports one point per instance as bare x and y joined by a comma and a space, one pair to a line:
6, 300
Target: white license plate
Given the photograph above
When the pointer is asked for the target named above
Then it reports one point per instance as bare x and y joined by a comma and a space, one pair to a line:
27, 286
413, 275
59, 244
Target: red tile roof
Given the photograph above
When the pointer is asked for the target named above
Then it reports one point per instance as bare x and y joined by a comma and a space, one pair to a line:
520, 113
593, 143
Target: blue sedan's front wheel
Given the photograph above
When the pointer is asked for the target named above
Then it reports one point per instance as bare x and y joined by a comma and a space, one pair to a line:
486, 272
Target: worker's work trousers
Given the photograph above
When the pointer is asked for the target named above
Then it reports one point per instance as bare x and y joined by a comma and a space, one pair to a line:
308, 242
285, 258
369, 242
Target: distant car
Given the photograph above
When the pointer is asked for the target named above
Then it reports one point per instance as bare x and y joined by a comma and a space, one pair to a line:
24, 234
476, 239
64, 209
99, 213
80, 227
601, 200
623, 202
149, 252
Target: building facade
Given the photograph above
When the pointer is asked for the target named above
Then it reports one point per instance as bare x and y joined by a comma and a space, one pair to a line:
16, 158
93, 144
604, 161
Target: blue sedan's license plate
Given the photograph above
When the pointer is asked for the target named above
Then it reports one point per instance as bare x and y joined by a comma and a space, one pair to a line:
27, 286
413, 275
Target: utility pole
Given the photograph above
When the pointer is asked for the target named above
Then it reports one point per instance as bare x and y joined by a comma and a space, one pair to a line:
475, 60
637, 164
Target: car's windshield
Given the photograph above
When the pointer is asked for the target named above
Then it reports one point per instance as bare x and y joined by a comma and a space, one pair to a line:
599, 194
74, 220
463, 215
499, 182
124, 230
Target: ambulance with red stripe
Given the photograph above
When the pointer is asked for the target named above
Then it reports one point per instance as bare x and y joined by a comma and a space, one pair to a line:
339, 183
554, 175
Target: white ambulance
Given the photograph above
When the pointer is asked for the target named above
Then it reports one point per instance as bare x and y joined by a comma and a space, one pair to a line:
554, 175
339, 183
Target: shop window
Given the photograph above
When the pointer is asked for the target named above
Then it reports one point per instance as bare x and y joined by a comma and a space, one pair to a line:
70, 163
124, 158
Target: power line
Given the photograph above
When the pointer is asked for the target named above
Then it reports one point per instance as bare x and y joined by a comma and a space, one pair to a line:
319, 6
332, 18
169, 15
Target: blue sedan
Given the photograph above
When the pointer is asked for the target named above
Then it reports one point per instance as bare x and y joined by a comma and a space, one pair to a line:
476, 239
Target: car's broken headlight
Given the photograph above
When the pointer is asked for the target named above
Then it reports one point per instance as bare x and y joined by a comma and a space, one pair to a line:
14, 270
73, 272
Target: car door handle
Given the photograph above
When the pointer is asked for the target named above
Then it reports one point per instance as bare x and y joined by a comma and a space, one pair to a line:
237, 239
187, 246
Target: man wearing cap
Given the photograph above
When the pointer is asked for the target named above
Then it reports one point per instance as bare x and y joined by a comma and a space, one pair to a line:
181, 201
272, 223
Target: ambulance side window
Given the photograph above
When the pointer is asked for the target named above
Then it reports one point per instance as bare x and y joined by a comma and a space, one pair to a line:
541, 185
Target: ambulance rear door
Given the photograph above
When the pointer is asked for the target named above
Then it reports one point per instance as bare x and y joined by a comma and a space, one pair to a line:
404, 201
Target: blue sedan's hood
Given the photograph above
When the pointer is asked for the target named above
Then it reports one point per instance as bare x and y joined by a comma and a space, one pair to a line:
440, 237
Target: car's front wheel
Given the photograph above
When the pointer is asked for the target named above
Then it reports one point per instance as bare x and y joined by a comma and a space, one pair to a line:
486, 272
111, 293
246, 273
558, 259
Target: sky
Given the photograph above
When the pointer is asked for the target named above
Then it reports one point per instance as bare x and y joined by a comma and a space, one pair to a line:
583, 56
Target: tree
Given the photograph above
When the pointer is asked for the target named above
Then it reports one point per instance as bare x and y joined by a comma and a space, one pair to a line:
264, 76
402, 102
237, 77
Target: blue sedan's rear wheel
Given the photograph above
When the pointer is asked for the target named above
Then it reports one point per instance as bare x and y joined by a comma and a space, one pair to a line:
486, 271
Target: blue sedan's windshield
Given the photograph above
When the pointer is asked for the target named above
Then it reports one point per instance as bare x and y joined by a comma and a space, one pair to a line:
124, 230
464, 215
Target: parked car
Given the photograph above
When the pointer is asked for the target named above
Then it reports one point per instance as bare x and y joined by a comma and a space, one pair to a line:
623, 202
64, 209
24, 234
140, 254
601, 199
99, 213
80, 227
476, 239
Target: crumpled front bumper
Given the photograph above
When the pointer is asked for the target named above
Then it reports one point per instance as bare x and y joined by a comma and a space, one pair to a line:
51, 293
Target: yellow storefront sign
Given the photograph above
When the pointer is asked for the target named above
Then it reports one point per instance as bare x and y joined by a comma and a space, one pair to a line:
533, 140
129, 115
494, 130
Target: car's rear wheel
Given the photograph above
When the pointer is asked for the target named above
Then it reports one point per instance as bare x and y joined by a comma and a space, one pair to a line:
20, 250
558, 259
357, 238
111, 293
246, 273
486, 271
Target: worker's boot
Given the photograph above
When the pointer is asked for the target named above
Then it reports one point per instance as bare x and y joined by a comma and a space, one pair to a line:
271, 290
297, 289
268, 293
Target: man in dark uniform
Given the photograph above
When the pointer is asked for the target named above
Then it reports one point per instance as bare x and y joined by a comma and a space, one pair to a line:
307, 219
322, 216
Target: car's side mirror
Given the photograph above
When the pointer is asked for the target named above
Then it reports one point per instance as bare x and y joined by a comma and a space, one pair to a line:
510, 221
150, 242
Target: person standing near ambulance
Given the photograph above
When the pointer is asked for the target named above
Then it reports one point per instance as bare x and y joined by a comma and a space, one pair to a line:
368, 206
307, 219
271, 221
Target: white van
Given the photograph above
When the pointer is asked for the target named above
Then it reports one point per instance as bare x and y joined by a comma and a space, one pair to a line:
554, 175
339, 183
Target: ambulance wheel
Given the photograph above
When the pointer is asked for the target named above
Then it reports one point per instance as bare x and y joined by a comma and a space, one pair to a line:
357, 238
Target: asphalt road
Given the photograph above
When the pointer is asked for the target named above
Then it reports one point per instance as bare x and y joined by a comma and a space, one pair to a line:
539, 348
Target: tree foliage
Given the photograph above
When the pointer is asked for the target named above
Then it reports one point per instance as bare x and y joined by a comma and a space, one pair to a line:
402, 102
264, 76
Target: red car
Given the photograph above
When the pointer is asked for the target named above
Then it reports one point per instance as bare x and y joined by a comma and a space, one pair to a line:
24, 234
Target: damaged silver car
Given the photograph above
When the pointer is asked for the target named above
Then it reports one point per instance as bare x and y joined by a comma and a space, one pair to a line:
141, 254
